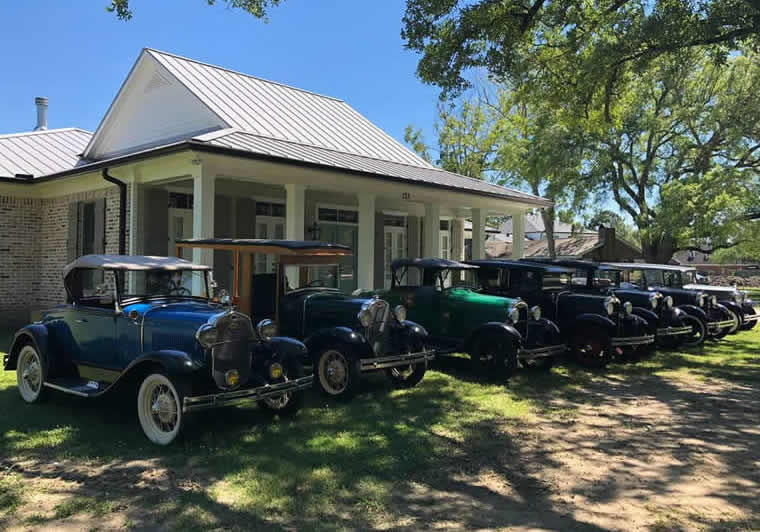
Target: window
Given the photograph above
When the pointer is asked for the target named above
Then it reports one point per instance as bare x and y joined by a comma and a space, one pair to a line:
86, 228
344, 216
90, 288
180, 200
489, 278
408, 276
556, 280
265, 208
444, 225
153, 284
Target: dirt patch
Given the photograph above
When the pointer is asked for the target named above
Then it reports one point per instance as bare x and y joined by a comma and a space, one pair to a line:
639, 453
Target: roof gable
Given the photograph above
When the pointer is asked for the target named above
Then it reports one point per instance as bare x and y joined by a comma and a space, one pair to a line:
151, 108
37, 153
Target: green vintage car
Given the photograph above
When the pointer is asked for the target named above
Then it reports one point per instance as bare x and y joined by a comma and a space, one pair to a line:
498, 333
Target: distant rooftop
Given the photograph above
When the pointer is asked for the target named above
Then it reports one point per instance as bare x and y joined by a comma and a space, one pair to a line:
36, 153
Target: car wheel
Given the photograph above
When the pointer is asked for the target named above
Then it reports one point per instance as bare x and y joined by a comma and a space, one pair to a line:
737, 322
337, 375
698, 331
159, 407
30, 374
749, 325
495, 355
289, 403
592, 348
407, 376
724, 315
541, 364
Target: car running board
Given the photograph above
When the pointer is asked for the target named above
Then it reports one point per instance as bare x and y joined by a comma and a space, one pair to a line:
78, 387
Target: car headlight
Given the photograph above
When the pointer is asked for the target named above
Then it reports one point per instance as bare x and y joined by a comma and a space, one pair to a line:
266, 329
365, 314
668, 301
653, 301
739, 298
628, 307
713, 301
400, 313
700, 299
536, 312
609, 305
207, 335
275, 370
513, 314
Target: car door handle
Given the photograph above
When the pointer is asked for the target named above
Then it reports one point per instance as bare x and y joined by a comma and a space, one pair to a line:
81, 320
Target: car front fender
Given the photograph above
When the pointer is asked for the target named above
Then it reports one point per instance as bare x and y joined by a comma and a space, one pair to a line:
651, 318
281, 348
693, 310
175, 363
596, 320
37, 335
355, 342
491, 330
733, 307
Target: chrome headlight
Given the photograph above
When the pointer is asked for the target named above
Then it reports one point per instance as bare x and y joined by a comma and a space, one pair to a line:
513, 314
653, 301
400, 313
700, 299
668, 301
365, 314
628, 307
536, 312
739, 298
609, 305
266, 329
207, 335
713, 301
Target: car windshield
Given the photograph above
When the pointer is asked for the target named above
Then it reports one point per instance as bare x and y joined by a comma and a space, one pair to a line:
461, 279
311, 276
690, 277
606, 278
152, 284
553, 280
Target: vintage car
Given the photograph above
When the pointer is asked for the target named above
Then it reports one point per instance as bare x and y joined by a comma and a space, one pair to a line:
673, 325
345, 335
147, 324
595, 327
666, 279
497, 333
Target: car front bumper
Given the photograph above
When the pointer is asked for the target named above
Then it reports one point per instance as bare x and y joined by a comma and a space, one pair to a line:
716, 326
672, 331
751, 317
542, 352
392, 361
628, 341
267, 391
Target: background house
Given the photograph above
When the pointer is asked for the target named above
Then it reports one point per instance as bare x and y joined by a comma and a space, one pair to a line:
195, 150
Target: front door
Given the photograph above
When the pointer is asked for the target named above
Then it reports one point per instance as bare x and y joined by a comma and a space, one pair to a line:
395, 248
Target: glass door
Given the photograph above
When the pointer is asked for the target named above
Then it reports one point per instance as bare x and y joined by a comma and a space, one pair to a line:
268, 227
180, 228
394, 248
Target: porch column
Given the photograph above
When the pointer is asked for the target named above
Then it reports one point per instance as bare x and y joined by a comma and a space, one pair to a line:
478, 234
295, 223
458, 239
203, 214
432, 231
366, 252
135, 228
518, 235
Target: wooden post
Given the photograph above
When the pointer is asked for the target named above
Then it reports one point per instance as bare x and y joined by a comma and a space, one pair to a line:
245, 284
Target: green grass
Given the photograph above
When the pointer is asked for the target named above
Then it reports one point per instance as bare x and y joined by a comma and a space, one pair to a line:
335, 465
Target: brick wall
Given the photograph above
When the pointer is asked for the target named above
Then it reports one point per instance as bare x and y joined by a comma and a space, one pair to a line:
33, 235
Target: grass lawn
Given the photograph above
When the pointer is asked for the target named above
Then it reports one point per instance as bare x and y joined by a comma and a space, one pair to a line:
368, 463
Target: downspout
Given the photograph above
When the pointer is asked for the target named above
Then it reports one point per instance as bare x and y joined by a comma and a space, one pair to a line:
122, 210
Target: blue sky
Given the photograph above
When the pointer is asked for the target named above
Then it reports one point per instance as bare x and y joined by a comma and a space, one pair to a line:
77, 54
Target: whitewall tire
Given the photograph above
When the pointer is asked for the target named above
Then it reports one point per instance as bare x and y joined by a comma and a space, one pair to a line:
30, 374
159, 407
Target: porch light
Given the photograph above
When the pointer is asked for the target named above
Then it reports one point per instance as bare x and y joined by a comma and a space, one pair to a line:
314, 231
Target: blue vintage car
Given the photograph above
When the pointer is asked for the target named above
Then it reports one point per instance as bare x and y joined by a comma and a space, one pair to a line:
148, 326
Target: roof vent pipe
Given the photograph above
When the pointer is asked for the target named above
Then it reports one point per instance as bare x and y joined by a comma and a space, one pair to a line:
42, 105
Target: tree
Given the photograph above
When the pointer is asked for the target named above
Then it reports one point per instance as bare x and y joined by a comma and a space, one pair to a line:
257, 8
608, 218
578, 52
681, 155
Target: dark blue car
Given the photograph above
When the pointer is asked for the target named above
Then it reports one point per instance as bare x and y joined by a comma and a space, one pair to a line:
149, 326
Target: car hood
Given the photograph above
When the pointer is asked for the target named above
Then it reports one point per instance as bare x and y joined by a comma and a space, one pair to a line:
712, 289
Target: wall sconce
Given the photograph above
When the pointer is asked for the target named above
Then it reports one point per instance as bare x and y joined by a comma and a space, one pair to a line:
314, 231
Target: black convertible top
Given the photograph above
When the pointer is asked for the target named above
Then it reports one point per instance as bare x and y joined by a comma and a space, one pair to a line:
432, 263
286, 245
573, 263
521, 265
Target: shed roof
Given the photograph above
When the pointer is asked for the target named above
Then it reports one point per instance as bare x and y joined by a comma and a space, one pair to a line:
36, 153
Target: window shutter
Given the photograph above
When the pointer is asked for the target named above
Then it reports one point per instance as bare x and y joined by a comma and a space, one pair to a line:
72, 240
99, 245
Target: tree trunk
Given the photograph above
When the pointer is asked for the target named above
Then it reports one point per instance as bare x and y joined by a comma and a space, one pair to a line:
547, 215
658, 250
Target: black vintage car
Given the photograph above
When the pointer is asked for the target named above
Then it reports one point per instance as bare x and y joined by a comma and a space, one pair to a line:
498, 333
663, 278
147, 325
345, 335
595, 327
673, 325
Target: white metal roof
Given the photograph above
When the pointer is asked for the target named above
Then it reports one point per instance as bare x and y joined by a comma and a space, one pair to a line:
279, 111
39, 153
244, 141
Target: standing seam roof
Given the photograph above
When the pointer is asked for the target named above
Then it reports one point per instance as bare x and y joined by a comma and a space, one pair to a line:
39, 153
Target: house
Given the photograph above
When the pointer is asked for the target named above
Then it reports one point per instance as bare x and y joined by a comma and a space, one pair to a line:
536, 230
601, 246
189, 149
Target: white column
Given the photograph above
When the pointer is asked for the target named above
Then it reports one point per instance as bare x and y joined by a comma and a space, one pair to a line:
458, 238
518, 235
295, 222
432, 230
135, 227
203, 214
478, 234
366, 252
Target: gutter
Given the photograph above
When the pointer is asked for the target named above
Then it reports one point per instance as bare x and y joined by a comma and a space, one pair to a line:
122, 210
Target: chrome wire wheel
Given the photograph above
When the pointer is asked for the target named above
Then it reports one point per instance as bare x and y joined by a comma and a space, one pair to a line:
159, 409
733, 316
281, 401
29, 374
333, 372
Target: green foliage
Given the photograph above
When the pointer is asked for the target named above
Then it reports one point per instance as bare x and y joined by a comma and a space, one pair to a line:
608, 218
577, 52
257, 8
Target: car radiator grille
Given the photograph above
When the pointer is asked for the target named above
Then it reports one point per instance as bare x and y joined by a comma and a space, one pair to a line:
232, 350
379, 327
